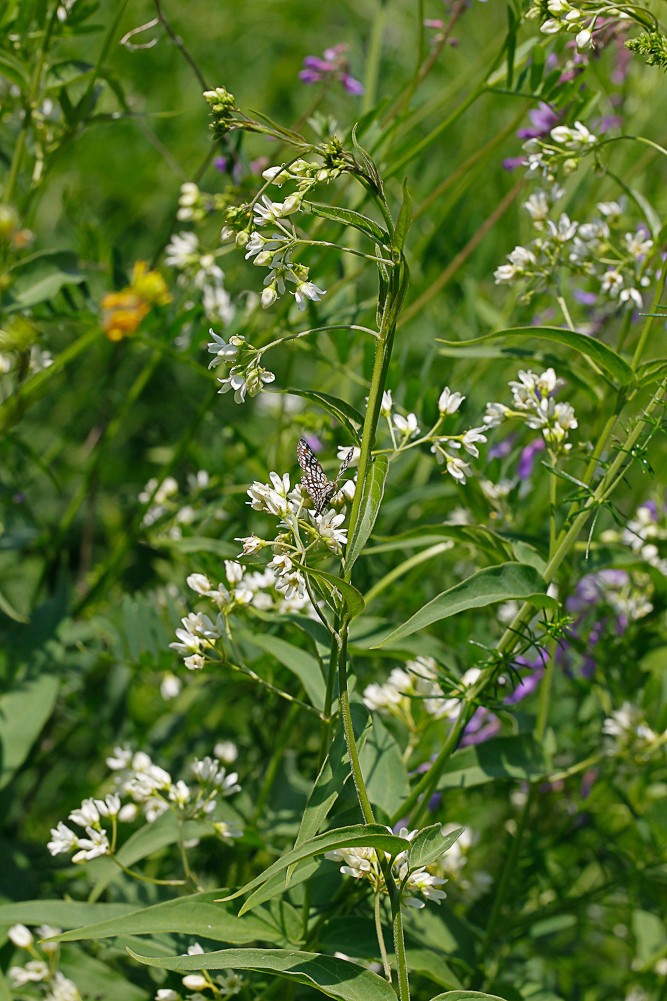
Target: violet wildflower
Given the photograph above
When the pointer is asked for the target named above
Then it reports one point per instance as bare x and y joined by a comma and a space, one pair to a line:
333, 66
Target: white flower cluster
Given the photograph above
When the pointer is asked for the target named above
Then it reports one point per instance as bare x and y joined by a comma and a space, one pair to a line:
42, 968
199, 271
166, 511
628, 734
535, 406
446, 448
417, 686
600, 250
152, 789
645, 532
246, 375
580, 21
226, 984
275, 250
362, 863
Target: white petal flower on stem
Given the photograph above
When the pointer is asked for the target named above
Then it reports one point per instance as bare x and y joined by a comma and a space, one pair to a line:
305, 291
406, 426
34, 971
20, 936
386, 404
449, 402
94, 846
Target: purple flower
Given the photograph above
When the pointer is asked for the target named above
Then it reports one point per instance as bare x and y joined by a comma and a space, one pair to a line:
543, 119
502, 449
334, 66
525, 687
482, 726
527, 458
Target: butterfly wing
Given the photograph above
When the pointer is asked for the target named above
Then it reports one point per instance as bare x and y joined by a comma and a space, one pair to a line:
314, 478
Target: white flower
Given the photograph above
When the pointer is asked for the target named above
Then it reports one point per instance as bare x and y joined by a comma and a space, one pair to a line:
328, 529
271, 497
95, 845
268, 212
170, 686
307, 290
387, 403
252, 544
109, 806
180, 794
199, 583
227, 751
448, 402
181, 251
406, 426
120, 759
20, 936
576, 138
292, 583
195, 982
34, 971
63, 989
584, 40
86, 815
470, 438
223, 350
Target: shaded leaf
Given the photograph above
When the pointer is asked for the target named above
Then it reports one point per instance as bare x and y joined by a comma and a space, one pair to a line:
603, 358
371, 499
335, 978
518, 757
430, 844
348, 217
41, 277
507, 582
346, 415
23, 712
301, 663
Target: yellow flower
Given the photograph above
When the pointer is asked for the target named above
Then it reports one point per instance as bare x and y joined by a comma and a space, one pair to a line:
149, 285
123, 311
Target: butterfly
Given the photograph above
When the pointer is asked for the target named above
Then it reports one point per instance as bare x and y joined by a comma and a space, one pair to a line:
314, 479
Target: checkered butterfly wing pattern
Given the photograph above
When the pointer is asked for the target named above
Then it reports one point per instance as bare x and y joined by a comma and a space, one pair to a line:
319, 488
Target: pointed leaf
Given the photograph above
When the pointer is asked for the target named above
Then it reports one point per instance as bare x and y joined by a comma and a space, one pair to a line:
298, 661
337, 590
466, 996
335, 978
371, 499
346, 415
602, 357
507, 582
518, 757
194, 915
430, 844
23, 712
358, 835
349, 218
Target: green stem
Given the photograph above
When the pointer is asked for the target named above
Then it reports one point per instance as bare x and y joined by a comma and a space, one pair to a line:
373, 59
399, 949
386, 966
357, 776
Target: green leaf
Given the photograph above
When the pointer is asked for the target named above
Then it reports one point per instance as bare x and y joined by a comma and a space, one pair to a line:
426, 963
301, 663
335, 586
602, 357
59, 913
23, 712
652, 371
507, 582
333, 775
348, 217
466, 996
335, 978
5, 993
384, 769
404, 218
41, 277
276, 886
14, 70
148, 839
430, 844
346, 415
358, 835
65, 72
518, 757
477, 536
193, 915
371, 499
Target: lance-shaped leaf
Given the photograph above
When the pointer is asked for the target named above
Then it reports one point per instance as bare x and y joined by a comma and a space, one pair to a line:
356, 836
194, 915
466, 996
346, 415
507, 582
602, 357
430, 844
348, 217
337, 591
335, 978
371, 499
